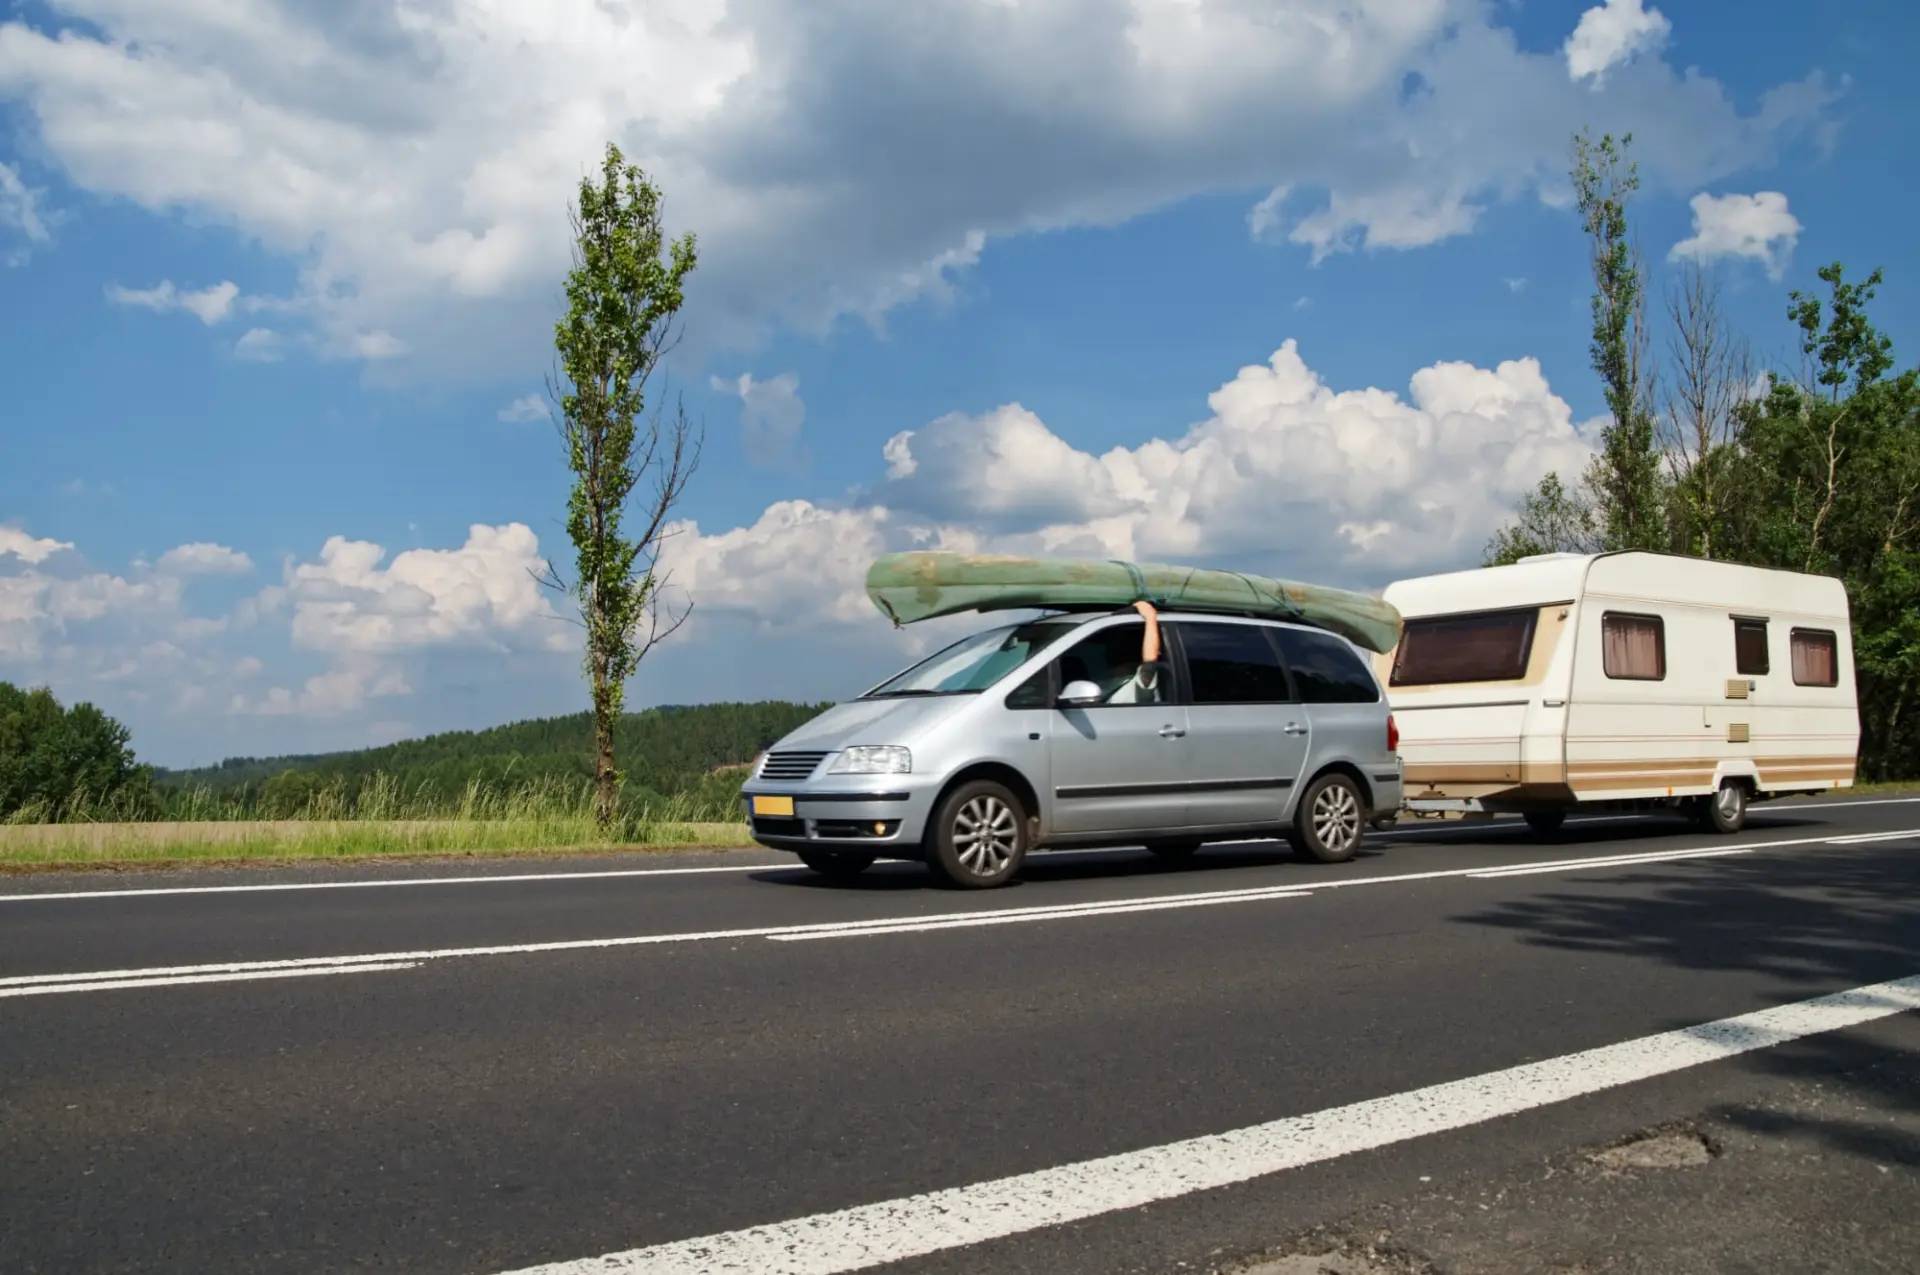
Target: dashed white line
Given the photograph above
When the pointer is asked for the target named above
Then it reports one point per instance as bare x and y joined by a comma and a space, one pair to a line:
914, 1226
1211, 898
54, 988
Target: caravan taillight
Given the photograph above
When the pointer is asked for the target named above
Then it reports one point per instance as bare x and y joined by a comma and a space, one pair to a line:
1393, 735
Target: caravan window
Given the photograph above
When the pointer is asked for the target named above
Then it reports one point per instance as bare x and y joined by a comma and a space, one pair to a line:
1485, 646
1633, 647
1750, 648
1816, 658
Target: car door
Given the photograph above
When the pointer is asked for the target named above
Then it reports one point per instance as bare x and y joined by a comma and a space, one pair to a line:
1246, 738
1346, 713
1117, 768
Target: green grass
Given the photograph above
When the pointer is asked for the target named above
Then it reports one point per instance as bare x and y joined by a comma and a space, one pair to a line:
374, 819
133, 844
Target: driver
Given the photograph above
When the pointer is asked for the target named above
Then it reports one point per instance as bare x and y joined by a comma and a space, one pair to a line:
1143, 685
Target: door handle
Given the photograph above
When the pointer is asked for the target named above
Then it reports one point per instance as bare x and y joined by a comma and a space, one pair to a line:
1292, 728
1171, 732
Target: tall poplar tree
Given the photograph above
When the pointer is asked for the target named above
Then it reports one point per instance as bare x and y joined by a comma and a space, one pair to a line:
623, 294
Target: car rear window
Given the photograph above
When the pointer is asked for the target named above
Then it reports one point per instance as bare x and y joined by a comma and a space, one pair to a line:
1325, 669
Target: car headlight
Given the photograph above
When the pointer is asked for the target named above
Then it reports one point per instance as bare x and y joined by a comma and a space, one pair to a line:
872, 759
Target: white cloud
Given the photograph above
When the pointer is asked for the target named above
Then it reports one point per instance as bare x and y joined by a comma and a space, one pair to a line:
1610, 34
22, 215
483, 592
29, 550
204, 558
1515, 286
532, 407
771, 414
331, 694
210, 305
838, 159
260, 345
1286, 476
1755, 227
375, 346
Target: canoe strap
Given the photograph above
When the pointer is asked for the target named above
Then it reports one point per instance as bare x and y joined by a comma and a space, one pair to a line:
1139, 582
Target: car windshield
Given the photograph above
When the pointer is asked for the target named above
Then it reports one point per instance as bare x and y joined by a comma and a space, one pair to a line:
972, 664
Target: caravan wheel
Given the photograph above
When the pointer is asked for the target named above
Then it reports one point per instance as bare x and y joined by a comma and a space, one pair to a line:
1725, 811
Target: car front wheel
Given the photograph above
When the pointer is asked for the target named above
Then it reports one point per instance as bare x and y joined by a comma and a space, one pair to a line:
978, 837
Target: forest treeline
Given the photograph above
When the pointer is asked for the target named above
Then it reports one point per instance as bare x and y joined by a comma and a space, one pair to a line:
688, 758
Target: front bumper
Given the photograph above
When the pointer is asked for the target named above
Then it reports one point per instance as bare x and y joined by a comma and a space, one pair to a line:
887, 815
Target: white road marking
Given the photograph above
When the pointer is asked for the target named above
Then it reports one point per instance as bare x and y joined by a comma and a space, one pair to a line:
906, 924
1606, 861
115, 984
1501, 822
268, 886
894, 1230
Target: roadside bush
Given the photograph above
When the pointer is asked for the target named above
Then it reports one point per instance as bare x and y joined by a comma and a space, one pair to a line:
61, 764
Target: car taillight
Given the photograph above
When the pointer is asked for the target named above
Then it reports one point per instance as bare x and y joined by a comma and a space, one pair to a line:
1393, 734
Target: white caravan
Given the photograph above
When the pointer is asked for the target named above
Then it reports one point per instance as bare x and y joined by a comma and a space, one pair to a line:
1644, 679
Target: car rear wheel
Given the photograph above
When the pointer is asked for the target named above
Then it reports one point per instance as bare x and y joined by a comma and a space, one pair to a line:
838, 865
1546, 822
978, 837
1330, 820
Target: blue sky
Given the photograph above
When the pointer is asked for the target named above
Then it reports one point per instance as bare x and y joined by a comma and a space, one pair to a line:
273, 274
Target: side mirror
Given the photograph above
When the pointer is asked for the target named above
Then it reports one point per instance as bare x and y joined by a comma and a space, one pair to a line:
1079, 694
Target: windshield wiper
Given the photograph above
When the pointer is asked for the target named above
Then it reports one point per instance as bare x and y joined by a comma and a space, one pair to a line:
911, 694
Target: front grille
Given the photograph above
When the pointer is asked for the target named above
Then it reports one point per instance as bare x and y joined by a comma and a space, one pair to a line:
791, 766
780, 827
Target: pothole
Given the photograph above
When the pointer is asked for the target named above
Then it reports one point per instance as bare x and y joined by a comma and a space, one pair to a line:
1658, 1149
1324, 1252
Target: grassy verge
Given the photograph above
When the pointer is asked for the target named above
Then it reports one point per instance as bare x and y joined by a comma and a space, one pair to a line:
64, 845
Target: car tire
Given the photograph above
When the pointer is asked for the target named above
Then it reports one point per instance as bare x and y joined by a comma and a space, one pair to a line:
837, 864
978, 837
1330, 820
1175, 851
1725, 811
1545, 822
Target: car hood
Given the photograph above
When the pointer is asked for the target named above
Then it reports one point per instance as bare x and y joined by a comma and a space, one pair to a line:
874, 721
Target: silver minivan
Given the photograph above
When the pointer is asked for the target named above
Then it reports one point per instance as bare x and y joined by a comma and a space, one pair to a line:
1016, 738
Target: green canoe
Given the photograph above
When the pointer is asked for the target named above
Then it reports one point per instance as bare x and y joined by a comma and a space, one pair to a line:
908, 587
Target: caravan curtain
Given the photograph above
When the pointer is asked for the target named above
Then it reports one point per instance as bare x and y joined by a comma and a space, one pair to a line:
1633, 647
1815, 658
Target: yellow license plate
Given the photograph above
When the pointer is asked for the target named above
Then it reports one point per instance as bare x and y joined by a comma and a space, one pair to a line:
773, 806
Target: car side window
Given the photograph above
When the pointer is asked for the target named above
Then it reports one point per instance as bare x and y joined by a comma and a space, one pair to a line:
1035, 692
1232, 664
1325, 669
1110, 659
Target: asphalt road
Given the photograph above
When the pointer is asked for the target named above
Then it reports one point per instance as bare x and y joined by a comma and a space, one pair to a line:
481, 1067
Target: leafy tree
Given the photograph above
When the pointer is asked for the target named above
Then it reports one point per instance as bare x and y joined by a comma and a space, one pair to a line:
623, 292
1830, 483
61, 763
1551, 519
